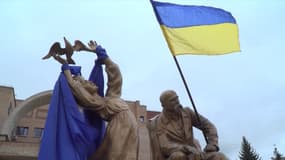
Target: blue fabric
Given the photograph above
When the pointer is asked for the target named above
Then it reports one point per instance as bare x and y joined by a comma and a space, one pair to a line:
75, 70
97, 77
178, 16
67, 136
101, 53
65, 67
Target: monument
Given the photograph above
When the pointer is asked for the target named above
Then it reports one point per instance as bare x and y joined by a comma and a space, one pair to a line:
84, 136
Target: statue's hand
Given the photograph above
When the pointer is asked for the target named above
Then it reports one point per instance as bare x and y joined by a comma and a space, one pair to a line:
190, 149
211, 148
59, 59
92, 45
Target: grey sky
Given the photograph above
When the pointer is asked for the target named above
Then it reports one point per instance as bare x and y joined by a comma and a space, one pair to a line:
242, 93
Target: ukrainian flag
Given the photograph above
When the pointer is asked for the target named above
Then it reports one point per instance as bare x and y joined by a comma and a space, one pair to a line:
197, 30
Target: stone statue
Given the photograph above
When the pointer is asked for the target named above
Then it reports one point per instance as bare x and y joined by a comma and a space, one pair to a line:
121, 138
172, 133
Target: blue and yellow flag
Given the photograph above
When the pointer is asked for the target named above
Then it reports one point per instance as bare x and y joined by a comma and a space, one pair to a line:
197, 30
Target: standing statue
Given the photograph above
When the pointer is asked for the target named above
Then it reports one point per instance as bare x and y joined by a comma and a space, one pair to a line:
120, 141
172, 133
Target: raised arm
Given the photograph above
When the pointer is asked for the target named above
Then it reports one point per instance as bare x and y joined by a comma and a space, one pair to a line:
114, 79
114, 83
84, 91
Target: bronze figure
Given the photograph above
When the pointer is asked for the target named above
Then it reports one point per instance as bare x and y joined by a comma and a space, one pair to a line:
172, 137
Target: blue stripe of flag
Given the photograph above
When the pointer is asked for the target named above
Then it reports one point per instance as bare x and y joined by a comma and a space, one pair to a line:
177, 16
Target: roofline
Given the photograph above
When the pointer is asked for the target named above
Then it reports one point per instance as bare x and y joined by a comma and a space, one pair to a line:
7, 87
13, 92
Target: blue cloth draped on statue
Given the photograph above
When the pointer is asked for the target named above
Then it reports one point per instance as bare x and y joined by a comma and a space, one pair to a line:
68, 134
96, 76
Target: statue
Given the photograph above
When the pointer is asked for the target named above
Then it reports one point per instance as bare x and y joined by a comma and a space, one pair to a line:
172, 133
121, 137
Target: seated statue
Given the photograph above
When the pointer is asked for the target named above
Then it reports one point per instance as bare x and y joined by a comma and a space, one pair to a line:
171, 133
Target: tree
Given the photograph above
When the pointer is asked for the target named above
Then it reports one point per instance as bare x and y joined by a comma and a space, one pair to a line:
247, 152
277, 155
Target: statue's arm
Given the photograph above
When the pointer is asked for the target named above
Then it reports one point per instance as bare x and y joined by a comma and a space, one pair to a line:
83, 96
114, 83
207, 127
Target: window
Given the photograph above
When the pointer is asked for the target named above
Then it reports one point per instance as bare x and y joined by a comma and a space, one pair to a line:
38, 132
142, 118
22, 131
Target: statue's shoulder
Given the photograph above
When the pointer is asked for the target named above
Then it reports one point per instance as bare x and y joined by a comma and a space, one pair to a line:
187, 110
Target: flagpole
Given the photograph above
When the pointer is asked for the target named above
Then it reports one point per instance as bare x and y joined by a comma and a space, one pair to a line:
189, 95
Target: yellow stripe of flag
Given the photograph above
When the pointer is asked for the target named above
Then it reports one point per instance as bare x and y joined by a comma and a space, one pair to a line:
202, 40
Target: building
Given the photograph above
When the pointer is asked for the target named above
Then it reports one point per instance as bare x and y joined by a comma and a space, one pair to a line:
25, 120
7, 102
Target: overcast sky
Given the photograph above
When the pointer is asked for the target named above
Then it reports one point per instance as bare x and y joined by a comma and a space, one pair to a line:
242, 93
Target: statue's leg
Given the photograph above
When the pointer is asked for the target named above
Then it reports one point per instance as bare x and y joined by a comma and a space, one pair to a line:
178, 155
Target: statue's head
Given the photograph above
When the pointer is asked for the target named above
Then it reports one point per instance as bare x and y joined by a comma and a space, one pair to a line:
169, 100
88, 85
